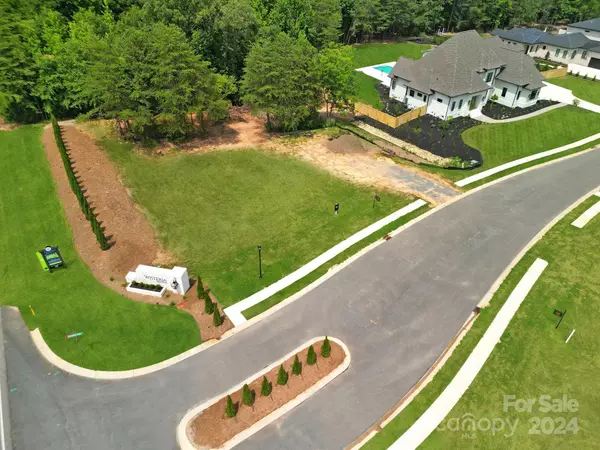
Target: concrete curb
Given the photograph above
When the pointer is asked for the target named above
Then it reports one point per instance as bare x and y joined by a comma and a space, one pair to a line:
520, 161
587, 215
488, 296
5, 428
234, 312
441, 407
182, 435
119, 375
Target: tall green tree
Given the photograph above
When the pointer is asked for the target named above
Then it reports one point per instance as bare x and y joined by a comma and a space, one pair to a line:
337, 77
327, 22
281, 80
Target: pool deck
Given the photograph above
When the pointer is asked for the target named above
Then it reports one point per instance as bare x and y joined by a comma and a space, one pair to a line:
372, 71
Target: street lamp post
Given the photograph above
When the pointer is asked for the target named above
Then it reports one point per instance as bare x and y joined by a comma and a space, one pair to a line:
259, 262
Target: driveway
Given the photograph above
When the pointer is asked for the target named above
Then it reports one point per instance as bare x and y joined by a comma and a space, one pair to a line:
396, 308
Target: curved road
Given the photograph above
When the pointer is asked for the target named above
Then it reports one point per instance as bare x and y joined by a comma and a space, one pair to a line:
396, 308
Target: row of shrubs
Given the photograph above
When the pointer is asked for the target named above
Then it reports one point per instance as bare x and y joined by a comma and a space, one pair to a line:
584, 77
76, 188
148, 287
266, 387
210, 307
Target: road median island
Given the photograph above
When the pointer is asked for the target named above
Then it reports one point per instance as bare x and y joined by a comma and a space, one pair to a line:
233, 416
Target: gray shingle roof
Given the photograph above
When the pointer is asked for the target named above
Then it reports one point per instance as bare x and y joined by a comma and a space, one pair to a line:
592, 24
524, 35
456, 67
570, 40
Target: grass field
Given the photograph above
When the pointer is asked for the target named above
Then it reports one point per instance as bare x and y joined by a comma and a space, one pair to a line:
370, 54
588, 90
213, 210
119, 334
532, 358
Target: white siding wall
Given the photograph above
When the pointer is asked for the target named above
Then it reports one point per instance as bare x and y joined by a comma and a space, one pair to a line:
512, 92
595, 35
398, 89
541, 53
443, 109
401, 92
582, 70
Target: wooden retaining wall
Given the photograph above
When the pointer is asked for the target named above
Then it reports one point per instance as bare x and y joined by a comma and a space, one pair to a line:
390, 121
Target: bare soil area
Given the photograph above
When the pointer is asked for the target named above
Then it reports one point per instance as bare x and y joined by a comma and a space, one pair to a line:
211, 428
133, 240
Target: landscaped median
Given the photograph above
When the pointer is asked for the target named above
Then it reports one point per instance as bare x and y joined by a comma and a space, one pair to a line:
237, 414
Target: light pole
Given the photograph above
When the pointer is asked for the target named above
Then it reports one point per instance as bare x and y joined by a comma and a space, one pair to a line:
259, 262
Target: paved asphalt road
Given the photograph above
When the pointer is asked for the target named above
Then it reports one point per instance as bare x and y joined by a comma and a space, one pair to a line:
396, 308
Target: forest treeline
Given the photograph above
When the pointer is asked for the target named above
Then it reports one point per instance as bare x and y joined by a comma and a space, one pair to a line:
155, 65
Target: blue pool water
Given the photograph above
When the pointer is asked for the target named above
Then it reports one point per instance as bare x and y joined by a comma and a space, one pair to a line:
386, 69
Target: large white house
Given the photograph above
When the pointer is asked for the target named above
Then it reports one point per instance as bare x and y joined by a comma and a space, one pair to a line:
579, 45
463, 73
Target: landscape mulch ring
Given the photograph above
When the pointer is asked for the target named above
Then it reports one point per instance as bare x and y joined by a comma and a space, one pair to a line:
211, 428
390, 106
497, 111
440, 137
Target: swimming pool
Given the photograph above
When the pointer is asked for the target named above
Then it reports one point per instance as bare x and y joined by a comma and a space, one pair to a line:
385, 69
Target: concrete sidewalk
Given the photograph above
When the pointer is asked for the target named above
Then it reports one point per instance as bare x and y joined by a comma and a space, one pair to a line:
5, 430
477, 115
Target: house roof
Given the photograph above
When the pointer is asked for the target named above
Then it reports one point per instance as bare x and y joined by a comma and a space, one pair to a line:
534, 36
524, 35
456, 67
591, 24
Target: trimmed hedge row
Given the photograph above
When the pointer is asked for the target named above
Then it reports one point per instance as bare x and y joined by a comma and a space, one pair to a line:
76, 187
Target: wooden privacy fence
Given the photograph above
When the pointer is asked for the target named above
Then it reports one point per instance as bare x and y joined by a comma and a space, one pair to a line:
555, 73
390, 121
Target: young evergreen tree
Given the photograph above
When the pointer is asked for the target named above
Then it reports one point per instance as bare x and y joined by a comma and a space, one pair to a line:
217, 319
311, 356
230, 409
326, 348
297, 366
266, 388
200, 288
209, 306
248, 396
282, 376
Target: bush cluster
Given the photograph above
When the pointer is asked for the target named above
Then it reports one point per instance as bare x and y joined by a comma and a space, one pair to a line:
148, 287
283, 376
76, 188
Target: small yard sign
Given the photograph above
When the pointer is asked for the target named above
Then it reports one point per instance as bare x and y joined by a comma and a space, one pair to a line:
50, 258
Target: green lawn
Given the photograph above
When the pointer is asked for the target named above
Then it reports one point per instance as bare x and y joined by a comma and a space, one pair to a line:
119, 334
588, 90
366, 92
532, 358
370, 54
212, 210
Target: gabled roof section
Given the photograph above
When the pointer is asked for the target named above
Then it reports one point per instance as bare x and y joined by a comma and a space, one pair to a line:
524, 35
456, 67
592, 24
569, 40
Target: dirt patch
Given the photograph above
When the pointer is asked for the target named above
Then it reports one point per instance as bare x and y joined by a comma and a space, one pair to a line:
132, 239
211, 428
7, 126
348, 144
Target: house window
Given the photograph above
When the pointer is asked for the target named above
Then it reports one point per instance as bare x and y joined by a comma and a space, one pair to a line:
536, 47
411, 93
584, 54
533, 94
544, 47
573, 54
393, 84
460, 102
557, 52
518, 95
453, 106
489, 76
565, 53
419, 94
424, 98
440, 100
504, 91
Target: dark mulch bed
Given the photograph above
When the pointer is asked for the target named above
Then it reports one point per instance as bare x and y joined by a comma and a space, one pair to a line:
498, 111
442, 138
390, 106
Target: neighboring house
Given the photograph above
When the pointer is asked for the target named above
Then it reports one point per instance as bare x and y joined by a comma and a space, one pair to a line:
463, 73
591, 28
569, 48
